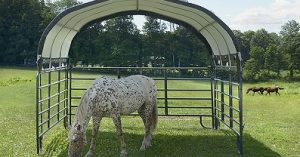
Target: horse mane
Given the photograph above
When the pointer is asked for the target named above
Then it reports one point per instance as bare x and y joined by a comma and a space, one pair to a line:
82, 109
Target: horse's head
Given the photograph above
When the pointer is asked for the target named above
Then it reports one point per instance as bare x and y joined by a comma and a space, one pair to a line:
76, 141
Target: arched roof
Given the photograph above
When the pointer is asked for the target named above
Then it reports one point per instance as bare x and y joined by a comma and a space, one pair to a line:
58, 36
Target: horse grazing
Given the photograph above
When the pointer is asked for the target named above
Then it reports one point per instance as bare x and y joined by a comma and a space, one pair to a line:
108, 97
260, 90
272, 89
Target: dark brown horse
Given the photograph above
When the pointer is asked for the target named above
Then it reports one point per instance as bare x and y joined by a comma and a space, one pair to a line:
272, 89
260, 90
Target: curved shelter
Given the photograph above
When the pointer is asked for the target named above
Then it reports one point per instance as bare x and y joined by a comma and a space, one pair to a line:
53, 53
58, 36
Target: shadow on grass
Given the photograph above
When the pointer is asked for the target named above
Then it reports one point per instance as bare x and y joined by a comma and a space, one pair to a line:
166, 146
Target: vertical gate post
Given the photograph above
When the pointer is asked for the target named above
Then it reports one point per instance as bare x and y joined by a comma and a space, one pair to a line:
67, 99
240, 92
212, 88
215, 86
222, 94
58, 90
38, 141
49, 95
230, 99
166, 93
38, 108
119, 73
70, 94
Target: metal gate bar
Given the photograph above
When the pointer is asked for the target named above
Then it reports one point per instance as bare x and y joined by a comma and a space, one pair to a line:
51, 97
227, 104
165, 88
57, 104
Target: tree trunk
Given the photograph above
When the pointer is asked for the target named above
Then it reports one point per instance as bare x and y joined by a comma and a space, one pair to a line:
291, 73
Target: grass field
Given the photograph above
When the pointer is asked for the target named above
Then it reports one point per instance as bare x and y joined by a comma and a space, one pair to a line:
271, 126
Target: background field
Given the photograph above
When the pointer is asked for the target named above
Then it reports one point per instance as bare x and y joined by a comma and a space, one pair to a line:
271, 126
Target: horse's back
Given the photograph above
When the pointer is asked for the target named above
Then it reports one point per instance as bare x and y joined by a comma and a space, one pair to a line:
125, 94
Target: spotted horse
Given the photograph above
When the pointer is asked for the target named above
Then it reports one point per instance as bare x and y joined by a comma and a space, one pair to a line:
110, 97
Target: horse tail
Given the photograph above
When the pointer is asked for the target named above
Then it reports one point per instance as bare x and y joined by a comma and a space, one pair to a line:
154, 105
154, 117
280, 88
248, 90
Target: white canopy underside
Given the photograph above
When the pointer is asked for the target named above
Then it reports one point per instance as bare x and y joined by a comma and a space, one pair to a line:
59, 38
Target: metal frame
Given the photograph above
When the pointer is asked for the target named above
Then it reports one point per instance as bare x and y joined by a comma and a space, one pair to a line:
54, 95
229, 114
222, 82
166, 90
51, 96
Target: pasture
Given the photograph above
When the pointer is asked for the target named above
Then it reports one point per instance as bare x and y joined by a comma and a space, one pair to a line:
271, 126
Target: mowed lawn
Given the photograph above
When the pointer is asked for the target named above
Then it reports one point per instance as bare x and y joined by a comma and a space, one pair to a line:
272, 125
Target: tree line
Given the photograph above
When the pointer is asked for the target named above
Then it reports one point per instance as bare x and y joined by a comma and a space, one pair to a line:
270, 55
118, 42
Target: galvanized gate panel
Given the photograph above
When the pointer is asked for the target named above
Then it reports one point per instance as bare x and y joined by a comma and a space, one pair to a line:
199, 106
59, 93
51, 96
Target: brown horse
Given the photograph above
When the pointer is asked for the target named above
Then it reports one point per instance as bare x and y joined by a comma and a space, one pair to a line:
260, 90
272, 89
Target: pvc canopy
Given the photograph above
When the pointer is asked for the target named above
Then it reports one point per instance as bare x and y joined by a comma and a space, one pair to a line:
58, 36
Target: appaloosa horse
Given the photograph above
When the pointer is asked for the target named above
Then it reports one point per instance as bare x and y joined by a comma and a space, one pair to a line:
109, 97
272, 89
260, 90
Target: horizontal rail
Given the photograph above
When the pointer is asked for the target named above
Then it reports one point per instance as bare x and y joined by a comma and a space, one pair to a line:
231, 107
48, 70
233, 130
178, 107
78, 88
51, 126
231, 96
157, 79
51, 117
202, 107
76, 97
185, 90
173, 115
224, 81
186, 79
184, 98
231, 118
182, 79
237, 110
218, 109
82, 79
174, 98
148, 68
171, 90
55, 105
52, 96
51, 84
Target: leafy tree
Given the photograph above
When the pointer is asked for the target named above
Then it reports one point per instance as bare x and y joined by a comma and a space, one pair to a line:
59, 6
124, 36
153, 47
262, 39
274, 59
291, 43
22, 23
244, 40
254, 65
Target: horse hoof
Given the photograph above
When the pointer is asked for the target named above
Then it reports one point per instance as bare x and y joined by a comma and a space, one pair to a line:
89, 154
143, 148
123, 154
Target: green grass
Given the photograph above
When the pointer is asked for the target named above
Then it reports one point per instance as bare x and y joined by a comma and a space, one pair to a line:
271, 124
